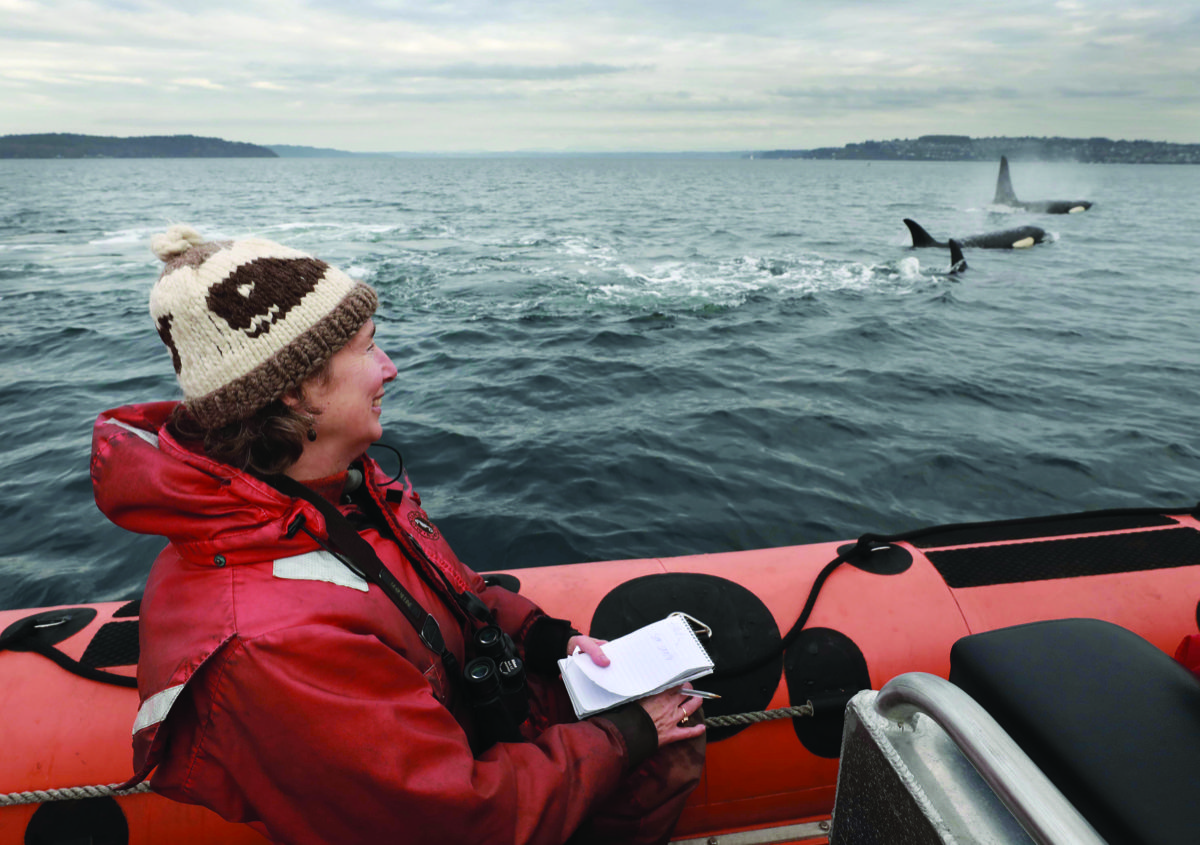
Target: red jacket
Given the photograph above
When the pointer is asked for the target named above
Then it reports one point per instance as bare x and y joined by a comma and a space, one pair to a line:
279, 688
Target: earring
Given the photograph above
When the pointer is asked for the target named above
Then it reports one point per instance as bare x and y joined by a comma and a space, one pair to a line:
312, 435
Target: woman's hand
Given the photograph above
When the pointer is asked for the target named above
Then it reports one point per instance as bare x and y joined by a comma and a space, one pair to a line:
669, 709
590, 647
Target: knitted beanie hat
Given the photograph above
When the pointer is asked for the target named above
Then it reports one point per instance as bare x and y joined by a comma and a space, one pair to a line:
247, 321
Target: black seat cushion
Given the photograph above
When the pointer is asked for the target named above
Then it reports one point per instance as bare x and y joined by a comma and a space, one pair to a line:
1112, 721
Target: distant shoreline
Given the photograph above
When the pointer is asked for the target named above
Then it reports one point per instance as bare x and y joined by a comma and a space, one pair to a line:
964, 148
926, 148
62, 145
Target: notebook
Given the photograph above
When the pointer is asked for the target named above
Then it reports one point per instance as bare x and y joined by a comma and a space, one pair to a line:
649, 660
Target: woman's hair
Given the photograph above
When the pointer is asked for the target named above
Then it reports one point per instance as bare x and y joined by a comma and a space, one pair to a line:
265, 443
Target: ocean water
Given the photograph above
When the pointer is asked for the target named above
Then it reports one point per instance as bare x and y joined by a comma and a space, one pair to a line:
604, 358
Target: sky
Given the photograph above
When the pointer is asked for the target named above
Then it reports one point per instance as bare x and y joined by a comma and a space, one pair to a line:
600, 75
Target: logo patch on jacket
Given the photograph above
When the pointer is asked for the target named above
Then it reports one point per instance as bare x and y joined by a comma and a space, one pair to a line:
421, 523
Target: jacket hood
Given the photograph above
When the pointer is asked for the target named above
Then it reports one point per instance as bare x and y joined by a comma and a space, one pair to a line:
147, 482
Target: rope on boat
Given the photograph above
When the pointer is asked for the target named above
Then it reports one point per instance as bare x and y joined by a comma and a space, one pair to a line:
72, 793
805, 709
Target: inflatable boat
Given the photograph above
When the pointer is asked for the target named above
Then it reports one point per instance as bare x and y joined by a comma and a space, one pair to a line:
795, 634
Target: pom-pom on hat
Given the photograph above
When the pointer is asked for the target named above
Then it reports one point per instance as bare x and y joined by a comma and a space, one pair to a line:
247, 321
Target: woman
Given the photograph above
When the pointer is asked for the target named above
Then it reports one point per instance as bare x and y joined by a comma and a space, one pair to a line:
285, 680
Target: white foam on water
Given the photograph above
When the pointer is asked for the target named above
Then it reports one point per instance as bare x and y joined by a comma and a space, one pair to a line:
909, 268
108, 267
426, 244
137, 234
569, 273
578, 246
337, 231
143, 234
730, 284
305, 225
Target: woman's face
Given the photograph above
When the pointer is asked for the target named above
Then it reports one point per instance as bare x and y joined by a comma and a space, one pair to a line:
349, 399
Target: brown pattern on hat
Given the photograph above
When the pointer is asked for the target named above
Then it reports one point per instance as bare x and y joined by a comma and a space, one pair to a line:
255, 295
163, 324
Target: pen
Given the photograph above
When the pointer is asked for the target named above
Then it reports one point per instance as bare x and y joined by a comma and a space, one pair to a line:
699, 693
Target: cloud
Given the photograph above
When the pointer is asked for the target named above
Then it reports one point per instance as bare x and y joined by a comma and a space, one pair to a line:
471, 70
1094, 94
870, 99
409, 74
198, 83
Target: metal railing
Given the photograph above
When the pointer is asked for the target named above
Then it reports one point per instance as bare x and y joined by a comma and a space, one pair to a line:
1035, 802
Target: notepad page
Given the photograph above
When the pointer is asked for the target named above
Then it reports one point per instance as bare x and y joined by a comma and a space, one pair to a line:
649, 658
586, 697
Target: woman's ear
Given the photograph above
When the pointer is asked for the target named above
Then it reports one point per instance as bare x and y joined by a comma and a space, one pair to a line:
294, 399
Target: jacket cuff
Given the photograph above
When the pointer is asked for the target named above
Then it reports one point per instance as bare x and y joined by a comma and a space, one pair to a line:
546, 643
637, 729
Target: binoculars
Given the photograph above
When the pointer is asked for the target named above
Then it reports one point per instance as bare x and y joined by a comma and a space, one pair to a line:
495, 683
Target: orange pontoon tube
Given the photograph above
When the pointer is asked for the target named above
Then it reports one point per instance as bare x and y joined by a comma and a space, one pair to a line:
880, 610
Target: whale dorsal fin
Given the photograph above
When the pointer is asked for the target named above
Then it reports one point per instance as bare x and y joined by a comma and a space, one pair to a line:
1004, 189
957, 262
920, 236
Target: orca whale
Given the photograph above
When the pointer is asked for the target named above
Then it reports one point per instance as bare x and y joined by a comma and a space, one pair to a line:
1016, 238
1005, 196
957, 262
